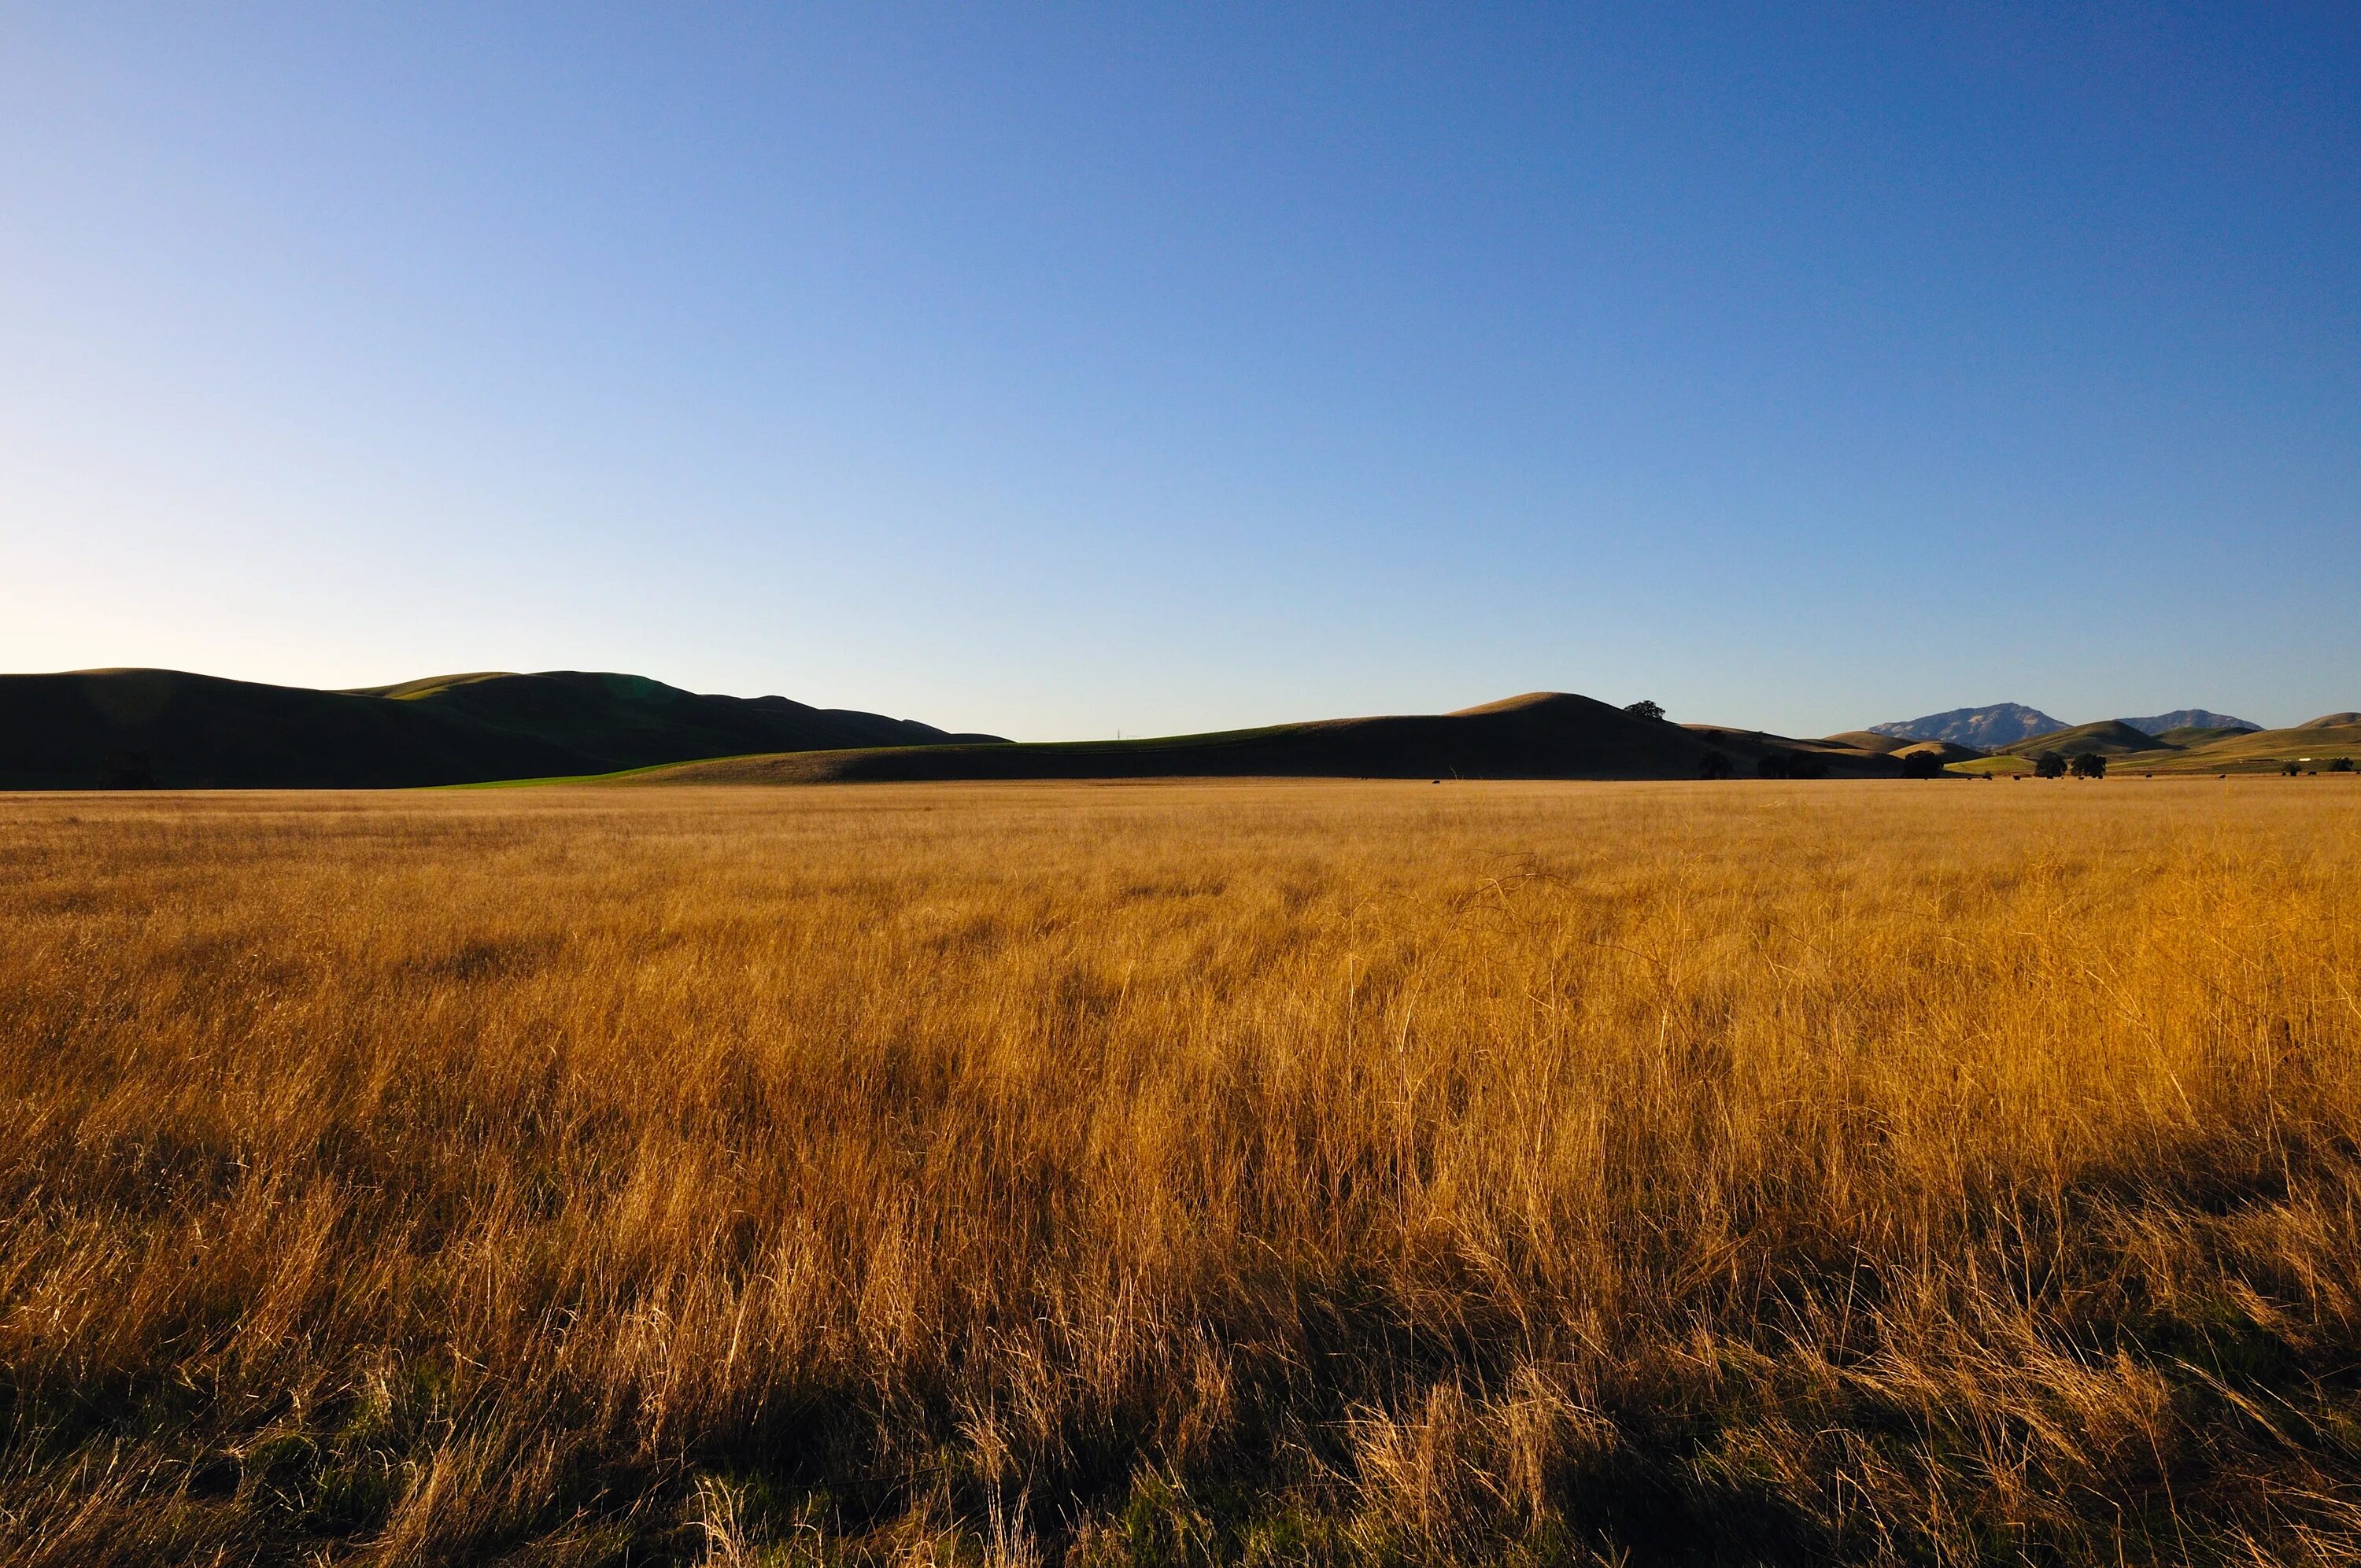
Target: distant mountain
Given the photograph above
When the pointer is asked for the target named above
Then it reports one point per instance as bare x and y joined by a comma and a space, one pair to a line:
162, 727
2191, 718
1993, 728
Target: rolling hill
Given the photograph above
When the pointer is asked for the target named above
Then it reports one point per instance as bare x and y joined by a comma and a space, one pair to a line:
2201, 735
2258, 751
2189, 718
1943, 751
1871, 740
2315, 746
2108, 737
1539, 735
1898, 747
136, 728
163, 727
2134, 741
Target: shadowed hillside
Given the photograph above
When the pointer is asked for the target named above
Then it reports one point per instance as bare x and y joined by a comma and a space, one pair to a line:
1541, 735
2202, 734
2314, 747
2014, 728
140, 728
1871, 740
2310, 746
2108, 737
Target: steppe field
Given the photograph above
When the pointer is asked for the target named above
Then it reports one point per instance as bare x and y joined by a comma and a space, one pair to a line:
1159, 1174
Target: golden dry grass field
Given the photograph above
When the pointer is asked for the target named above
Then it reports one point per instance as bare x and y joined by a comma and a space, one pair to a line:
1163, 1173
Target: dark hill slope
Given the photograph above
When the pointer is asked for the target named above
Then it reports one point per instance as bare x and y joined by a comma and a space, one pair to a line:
2202, 735
2211, 750
93, 726
2262, 750
1871, 740
1540, 736
2108, 737
632, 716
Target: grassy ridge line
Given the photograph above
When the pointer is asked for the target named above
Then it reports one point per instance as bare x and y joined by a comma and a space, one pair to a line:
1544, 734
2108, 737
2259, 751
92, 728
2264, 748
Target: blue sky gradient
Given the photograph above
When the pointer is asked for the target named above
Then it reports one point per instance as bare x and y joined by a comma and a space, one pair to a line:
1069, 369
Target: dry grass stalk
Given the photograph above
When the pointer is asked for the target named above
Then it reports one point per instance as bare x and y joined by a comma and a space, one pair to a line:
1289, 1172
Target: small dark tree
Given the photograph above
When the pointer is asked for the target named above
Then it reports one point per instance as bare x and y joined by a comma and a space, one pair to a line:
1715, 765
1922, 765
2049, 766
1646, 710
2342, 765
2090, 765
2290, 769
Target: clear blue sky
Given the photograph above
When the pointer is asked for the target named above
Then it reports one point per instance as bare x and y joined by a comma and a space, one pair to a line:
1058, 370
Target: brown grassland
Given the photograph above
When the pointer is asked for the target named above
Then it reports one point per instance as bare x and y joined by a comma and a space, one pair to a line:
1341, 1173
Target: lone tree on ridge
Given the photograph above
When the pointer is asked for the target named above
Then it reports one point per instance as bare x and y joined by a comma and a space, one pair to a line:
1643, 708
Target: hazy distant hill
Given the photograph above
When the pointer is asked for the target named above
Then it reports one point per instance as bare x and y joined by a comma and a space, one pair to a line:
1542, 735
2189, 718
97, 727
1993, 728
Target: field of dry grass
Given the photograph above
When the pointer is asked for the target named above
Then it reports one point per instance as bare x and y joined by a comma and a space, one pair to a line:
1165, 1174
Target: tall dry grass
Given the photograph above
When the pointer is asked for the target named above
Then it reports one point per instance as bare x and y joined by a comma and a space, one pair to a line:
1161, 1174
